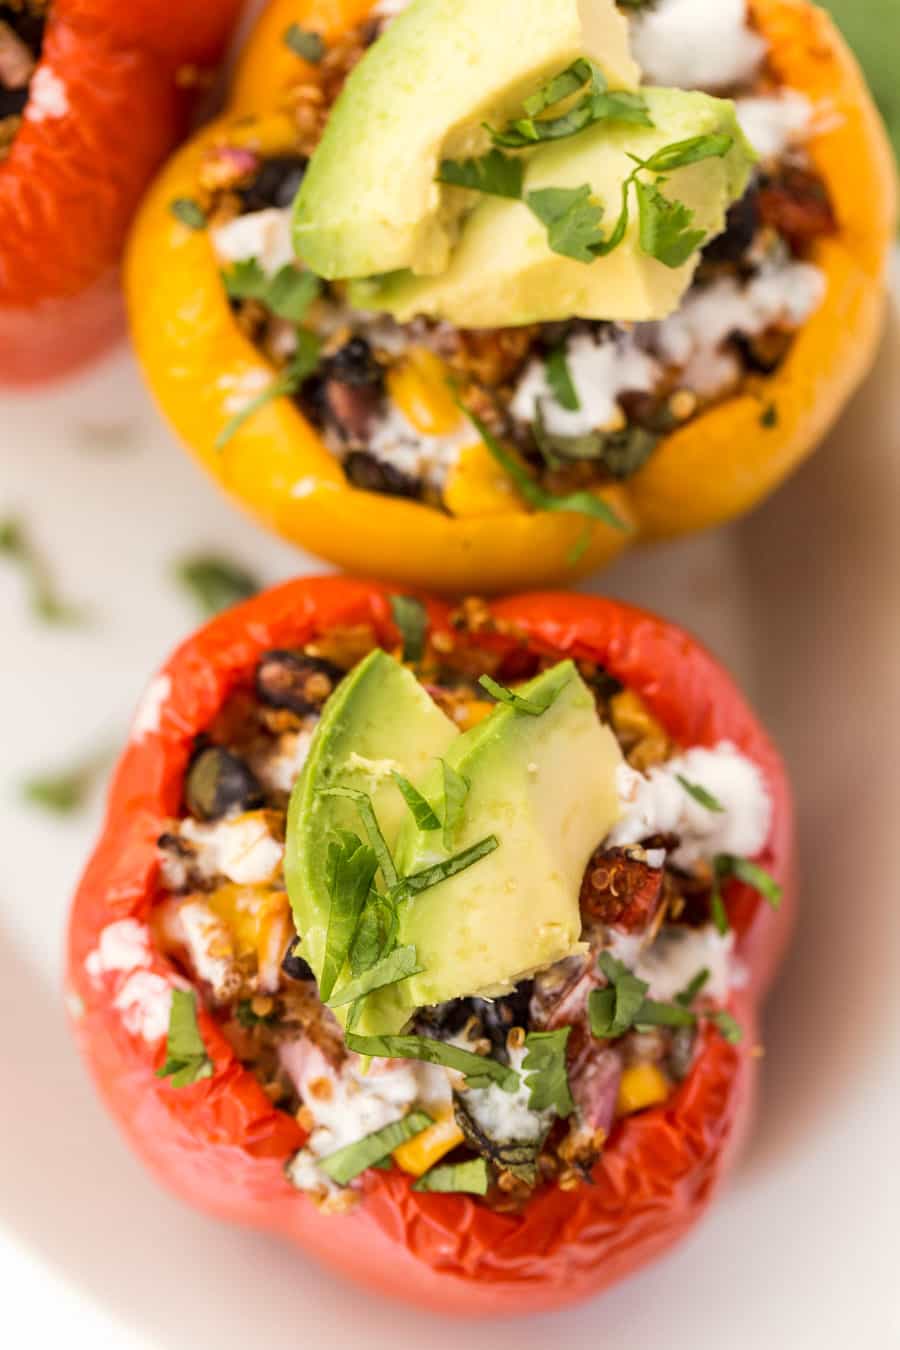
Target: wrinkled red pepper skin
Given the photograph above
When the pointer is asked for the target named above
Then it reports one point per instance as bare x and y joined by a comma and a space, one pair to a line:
70, 184
220, 1144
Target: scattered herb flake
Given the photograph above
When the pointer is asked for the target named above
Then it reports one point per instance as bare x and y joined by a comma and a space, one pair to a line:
391, 969
377, 840
304, 43
532, 707
189, 212
214, 583
580, 547
652, 1013
44, 601
350, 869
729, 1027
695, 986
665, 226
67, 791
494, 174
411, 618
423, 813
288, 294
479, 1070
545, 1071
456, 790
347, 1163
466, 1178
302, 365
701, 795
375, 933
186, 1058
742, 869
559, 378
769, 417
448, 867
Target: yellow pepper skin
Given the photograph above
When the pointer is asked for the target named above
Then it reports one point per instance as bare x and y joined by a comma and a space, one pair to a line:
202, 369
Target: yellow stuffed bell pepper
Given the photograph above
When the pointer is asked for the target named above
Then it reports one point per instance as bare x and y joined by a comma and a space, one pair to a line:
365, 458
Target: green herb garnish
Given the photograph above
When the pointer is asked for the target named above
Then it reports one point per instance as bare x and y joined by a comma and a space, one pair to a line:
350, 867
665, 226
559, 378
377, 841
613, 1010
44, 600
467, 1178
398, 965
494, 174
355, 1158
411, 617
652, 1013
189, 212
576, 503
423, 813
532, 707
545, 1071
304, 43
480, 1071
65, 791
375, 933
186, 1058
301, 366
701, 795
742, 869
442, 871
691, 990
728, 1026
456, 790
769, 417
214, 583
597, 105
288, 294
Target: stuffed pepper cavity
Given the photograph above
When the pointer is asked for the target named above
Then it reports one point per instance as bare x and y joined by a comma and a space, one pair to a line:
434, 939
75, 159
456, 454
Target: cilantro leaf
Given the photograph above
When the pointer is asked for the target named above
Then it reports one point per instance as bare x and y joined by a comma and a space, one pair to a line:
442, 871
700, 795
533, 707
189, 212
301, 366
186, 1058
665, 232
576, 503
411, 617
398, 965
377, 840
572, 218
67, 790
348, 1162
612, 1010
742, 869
466, 1178
652, 1013
545, 1071
214, 583
559, 378
691, 151
423, 813
44, 600
304, 43
479, 1070
375, 933
288, 294
568, 82
350, 868
456, 790
495, 174
717, 908
693, 988
597, 105
729, 1027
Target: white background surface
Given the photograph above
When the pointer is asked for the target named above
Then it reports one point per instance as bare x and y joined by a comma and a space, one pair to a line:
803, 600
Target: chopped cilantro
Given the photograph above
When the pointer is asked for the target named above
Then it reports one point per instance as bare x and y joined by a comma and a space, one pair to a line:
728, 1026
693, 988
701, 795
350, 868
479, 1070
301, 366
189, 212
66, 791
665, 232
348, 1162
418, 882
573, 220
613, 1010
769, 417
44, 600
377, 840
545, 1071
466, 1178
596, 105
304, 43
531, 706
423, 813
456, 790
186, 1058
288, 294
559, 378
494, 174
214, 583
679, 154
652, 1013
398, 965
742, 869
411, 617
375, 933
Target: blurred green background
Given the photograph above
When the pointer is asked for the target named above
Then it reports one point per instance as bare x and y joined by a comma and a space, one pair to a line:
873, 28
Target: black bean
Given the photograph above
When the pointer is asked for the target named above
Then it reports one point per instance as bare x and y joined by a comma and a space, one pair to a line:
276, 184
741, 225
293, 680
355, 364
375, 475
26, 24
12, 102
218, 781
294, 966
497, 1017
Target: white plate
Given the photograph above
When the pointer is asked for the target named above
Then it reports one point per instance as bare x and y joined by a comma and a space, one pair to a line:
803, 600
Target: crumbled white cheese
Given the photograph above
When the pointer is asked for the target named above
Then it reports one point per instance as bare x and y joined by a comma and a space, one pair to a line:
697, 44
74, 1004
239, 848
602, 369
348, 1105
123, 945
679, 954
263, 235
241, 388
145, 1002
395, 441
782, 292
773, 125
389, 9
208, 944
47, 97
149, 710
279, 772
657, 803
507, 1115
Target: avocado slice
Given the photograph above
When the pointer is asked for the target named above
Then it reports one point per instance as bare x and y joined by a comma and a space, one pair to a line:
369, 202
503, 271
378, 719
546, 787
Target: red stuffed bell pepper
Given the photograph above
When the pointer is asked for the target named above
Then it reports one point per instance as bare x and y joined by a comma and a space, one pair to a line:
93, 96
612, 1086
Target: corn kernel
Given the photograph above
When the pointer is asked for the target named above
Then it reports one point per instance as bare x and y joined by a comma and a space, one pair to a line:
419, 388
641, 1086
417, 1155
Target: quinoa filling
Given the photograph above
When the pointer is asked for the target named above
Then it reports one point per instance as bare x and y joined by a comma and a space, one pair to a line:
650, 910
22, 24
384, 395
